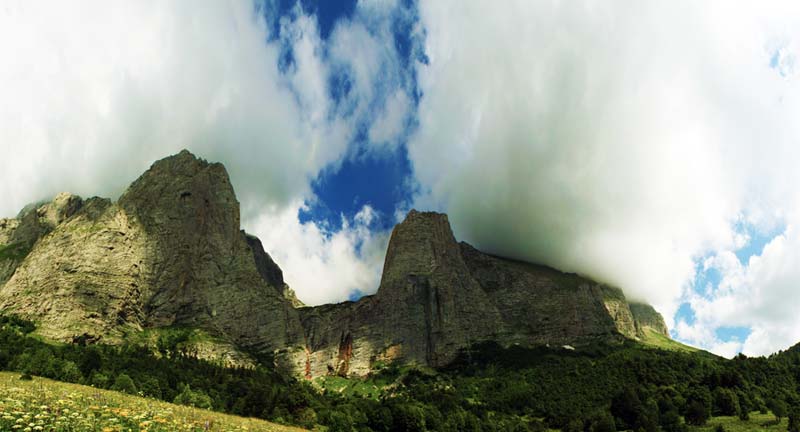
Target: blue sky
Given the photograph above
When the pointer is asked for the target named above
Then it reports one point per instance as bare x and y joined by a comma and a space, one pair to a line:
383, 180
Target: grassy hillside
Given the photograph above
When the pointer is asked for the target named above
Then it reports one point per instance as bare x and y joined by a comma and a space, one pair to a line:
657, 340
46, 405
659, 386
757, 422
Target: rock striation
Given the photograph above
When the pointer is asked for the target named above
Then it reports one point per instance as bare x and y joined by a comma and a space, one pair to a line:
170, 253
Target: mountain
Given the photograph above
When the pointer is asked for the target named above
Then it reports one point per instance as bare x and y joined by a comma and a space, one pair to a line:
170, 254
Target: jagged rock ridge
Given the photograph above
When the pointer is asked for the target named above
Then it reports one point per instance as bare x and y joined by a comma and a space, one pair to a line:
170, 252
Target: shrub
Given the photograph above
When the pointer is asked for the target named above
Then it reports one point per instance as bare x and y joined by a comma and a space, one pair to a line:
696, 413
193, 398
778, 408
124, 384
725, 402
794, 419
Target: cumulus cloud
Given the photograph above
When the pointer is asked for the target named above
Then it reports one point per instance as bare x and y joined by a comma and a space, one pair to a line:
94, 92
324, 266
621, 141
760, 294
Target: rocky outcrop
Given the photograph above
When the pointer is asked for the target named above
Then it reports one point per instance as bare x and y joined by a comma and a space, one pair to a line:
170, 253
18, 235
646, 318
438, 296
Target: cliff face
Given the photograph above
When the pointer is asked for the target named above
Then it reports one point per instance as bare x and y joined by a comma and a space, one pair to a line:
647, 318
170, 252
437, 296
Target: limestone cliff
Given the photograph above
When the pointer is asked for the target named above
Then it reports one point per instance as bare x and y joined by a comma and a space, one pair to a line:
647, 318
18, 235
170, 253
437, 296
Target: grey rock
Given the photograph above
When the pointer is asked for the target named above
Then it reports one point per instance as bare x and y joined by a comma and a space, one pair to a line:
170, 253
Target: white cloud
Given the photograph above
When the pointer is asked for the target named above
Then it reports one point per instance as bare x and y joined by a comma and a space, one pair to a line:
322, 266
620, 141
94, 92
390, 123
761, 295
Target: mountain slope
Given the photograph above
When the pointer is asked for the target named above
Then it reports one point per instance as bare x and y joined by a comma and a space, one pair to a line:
437, 297
170, 253
54, 405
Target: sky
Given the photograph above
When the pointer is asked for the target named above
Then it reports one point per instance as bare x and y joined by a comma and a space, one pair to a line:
650, 145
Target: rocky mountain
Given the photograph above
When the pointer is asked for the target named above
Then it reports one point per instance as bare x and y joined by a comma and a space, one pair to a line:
170, 253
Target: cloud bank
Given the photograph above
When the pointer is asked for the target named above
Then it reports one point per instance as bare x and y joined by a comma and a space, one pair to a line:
621, 141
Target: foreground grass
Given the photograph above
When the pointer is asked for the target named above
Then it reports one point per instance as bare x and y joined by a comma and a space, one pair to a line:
46, 405
757, 422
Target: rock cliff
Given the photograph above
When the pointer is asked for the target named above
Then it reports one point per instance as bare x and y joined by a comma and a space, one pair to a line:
170, 253
437, 296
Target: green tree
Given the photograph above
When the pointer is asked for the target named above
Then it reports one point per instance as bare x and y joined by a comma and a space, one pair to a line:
603, 422
794, 419
696, 413
745, 406
725, 402
193, 398
124, 384
70, 372
627, 408
778, 408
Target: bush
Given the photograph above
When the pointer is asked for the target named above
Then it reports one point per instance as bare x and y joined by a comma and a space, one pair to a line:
794, 419
124, 384
778, 408
193, 398
696, 413
70, 372
602, 422
99, 380
725, 402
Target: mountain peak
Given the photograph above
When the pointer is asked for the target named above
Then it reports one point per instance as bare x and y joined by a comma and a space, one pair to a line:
423, 241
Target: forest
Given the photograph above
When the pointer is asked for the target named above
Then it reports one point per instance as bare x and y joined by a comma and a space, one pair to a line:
601, 387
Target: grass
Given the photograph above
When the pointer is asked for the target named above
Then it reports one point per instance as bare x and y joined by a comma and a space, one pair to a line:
350, 387
657, 340
757, 422
46, 405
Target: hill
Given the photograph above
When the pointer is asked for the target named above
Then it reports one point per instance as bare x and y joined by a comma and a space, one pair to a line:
43, 404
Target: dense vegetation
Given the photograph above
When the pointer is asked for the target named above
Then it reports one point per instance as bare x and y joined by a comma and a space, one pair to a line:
598, 388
